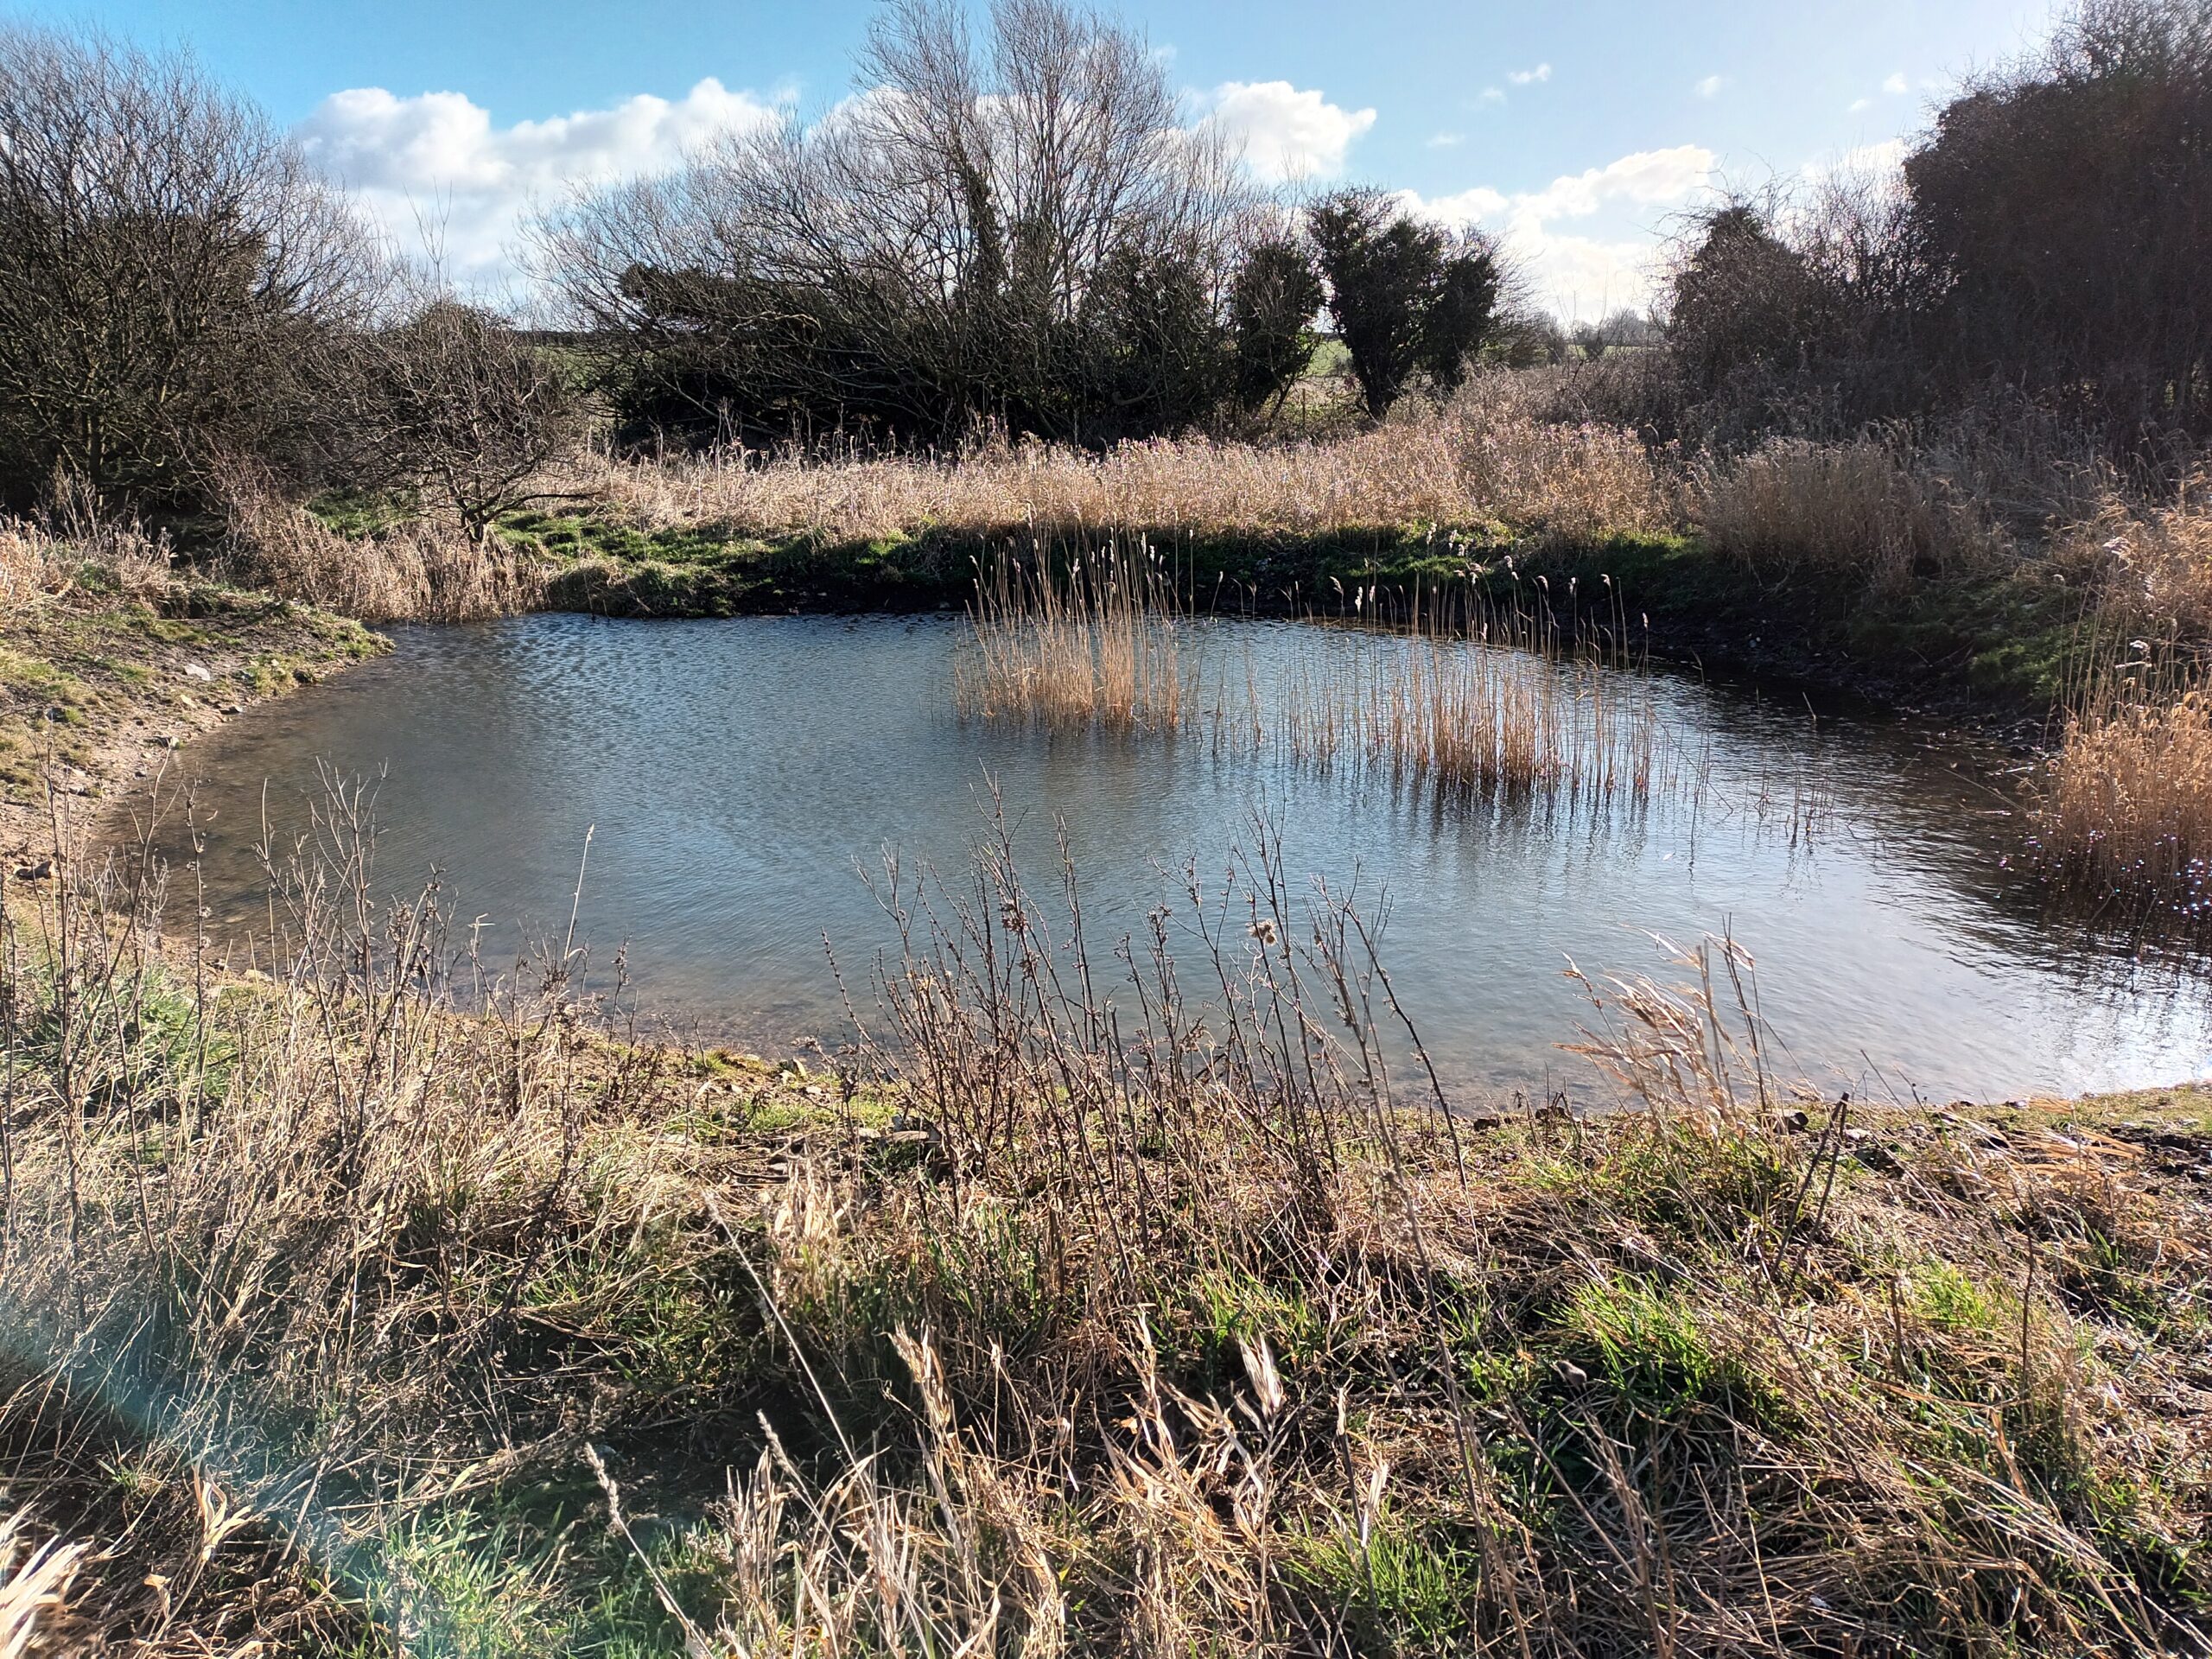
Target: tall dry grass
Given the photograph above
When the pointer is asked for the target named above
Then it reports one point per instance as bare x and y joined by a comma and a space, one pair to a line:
2122, 806
51, 558
1098, 647
1862, 510
1469, 464
1166, 1309
2149, 563
418, 571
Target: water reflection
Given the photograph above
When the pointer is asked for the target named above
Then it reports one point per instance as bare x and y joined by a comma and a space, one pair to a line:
738, 772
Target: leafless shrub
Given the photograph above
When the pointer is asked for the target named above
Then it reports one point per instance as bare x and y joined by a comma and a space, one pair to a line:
448, 403
166, 260
1022, 229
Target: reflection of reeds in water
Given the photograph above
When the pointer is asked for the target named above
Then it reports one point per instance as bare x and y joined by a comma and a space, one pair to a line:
1098, 647
1467, 697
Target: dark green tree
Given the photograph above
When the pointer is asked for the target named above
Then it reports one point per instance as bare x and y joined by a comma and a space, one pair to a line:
1273, 304
1407, 298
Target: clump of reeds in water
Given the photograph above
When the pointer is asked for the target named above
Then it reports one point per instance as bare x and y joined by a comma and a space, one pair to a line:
1475, 698
2123, 808
1456, 693
1099, 646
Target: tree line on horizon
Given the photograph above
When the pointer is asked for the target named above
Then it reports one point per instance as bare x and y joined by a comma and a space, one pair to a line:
1012, 229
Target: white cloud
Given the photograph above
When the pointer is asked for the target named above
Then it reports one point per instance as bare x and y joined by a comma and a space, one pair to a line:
1645, 179
1880, 164
1530, 77
1858, 105
1711, 86
1491, 95
1446, 140
1287, 132
436, 165
1580, 274
1896, 85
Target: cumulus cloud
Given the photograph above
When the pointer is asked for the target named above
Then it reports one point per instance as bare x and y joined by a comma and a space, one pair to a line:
1711, 86
1572, 272
1880, 164
434, 166
1446, 140
1530, 77
1287, 132
1895, 86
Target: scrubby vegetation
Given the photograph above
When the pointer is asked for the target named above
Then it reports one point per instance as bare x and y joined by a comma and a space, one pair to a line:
377, 1301
344, 1319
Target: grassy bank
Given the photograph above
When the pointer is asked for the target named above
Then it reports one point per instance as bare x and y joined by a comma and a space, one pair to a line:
110, 658
1867, 566
348, 1324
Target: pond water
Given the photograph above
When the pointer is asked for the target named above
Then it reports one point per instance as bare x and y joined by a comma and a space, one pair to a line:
737, 776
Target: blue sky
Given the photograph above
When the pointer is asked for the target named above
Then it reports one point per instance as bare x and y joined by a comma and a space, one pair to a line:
1573, 130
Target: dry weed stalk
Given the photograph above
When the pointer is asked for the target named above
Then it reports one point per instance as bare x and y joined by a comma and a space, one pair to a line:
1465, 465
1149, 1308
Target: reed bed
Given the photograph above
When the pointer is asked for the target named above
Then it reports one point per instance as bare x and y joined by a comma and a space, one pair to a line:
1101, 647
1466, 465
1462, 696
418, 571
1865, 511
1158, 1305
2122, 807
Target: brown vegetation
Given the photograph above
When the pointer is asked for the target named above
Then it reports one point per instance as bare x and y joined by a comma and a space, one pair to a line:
1135, 1315
1475, 463
419, 569
1475, 701
1858, 511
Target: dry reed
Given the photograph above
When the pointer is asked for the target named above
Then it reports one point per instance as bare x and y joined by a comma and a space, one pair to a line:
1465, 466
2149, 564
2122, 808
420, 571
1149, 1310
1100, 646
1864, 510
1464, 696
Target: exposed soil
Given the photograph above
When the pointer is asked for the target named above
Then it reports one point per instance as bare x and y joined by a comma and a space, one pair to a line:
97, 690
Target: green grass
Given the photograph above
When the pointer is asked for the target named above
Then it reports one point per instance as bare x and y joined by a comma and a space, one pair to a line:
2006, 643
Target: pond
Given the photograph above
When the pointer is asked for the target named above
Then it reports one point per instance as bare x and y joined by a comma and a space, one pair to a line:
737, 777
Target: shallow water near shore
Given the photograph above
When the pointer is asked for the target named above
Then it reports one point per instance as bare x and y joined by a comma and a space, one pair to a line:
737, 776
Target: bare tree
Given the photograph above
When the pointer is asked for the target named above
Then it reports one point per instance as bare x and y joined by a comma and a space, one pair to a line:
167, 263
448, 401
1022, 229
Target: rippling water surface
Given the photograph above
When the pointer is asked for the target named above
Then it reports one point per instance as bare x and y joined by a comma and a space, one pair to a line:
737, 777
